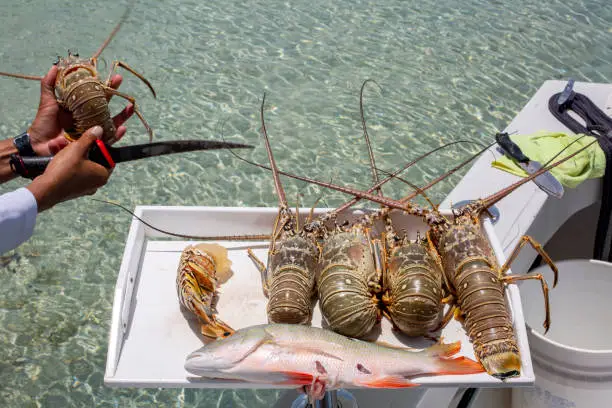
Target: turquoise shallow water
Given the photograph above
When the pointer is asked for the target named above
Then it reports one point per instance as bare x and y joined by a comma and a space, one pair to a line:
447, 71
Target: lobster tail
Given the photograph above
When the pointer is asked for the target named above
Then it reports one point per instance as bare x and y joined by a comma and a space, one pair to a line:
346, 282
487, 320
470, 267
292, 281
196, 284
413, 289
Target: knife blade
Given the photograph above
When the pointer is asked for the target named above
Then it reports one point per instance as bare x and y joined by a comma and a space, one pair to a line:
545, 181
107, 156
142, 151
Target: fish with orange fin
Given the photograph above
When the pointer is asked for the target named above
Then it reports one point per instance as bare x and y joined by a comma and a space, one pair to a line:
201, 267
318, 360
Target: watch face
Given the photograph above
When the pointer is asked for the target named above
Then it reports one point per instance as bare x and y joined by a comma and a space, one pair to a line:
22, 143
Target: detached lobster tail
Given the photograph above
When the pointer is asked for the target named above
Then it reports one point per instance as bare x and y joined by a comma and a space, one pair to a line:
197, 284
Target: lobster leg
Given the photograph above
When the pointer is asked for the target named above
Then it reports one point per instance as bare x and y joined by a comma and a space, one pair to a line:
110, 90
446, 319
130, 69
511, 279
449, 314
524, 240
459, 315
262, 269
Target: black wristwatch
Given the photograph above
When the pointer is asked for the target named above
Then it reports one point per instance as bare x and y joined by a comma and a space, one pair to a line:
22, 143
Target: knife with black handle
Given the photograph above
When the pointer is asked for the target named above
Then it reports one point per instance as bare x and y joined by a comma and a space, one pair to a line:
101, 153
511, 148
545, 181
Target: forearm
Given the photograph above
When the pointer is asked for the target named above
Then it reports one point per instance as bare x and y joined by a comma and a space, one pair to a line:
18, 210
6, 149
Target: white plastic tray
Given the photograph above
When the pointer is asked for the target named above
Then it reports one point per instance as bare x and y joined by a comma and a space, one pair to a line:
150, 336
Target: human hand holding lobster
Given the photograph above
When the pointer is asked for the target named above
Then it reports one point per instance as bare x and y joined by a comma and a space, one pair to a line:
70, 174
47, 129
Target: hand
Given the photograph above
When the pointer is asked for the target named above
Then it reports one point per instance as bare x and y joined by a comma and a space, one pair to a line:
47, 130
70, 174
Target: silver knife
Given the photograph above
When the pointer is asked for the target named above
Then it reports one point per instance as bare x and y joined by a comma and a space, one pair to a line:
546, 181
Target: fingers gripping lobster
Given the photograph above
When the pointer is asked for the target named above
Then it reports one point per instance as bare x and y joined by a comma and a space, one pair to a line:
80, 90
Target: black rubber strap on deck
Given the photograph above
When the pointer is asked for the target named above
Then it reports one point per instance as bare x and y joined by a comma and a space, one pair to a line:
598, 125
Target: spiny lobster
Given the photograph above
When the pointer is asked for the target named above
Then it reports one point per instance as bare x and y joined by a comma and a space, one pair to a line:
80, 91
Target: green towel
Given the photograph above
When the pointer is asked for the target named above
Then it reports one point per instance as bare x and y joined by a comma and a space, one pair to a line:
542, 146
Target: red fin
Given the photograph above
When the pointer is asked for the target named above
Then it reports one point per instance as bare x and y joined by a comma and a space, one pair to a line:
459, 365
393, 346
444, 350
297, 378
388, 382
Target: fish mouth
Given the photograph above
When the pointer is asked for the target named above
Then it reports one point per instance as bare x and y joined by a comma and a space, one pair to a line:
193, 364
202, 363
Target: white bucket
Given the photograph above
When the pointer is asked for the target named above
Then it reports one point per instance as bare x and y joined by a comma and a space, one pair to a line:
573, 361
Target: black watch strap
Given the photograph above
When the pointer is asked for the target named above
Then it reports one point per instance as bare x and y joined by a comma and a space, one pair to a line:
22, 143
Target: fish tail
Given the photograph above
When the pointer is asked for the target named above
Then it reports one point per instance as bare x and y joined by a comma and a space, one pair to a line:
459, 365
446, 366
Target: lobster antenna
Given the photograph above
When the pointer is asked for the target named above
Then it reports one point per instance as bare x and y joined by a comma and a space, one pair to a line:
21, 76
112, 34
484, 204
358, 194
277, 183
447, 174
319, 198
494, 198
96, 55
347, 190
217, 238
417, 188
354, 200
565, 148
367, 137
297, 212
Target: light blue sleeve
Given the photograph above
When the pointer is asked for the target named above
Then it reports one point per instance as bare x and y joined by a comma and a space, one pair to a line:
18, 210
